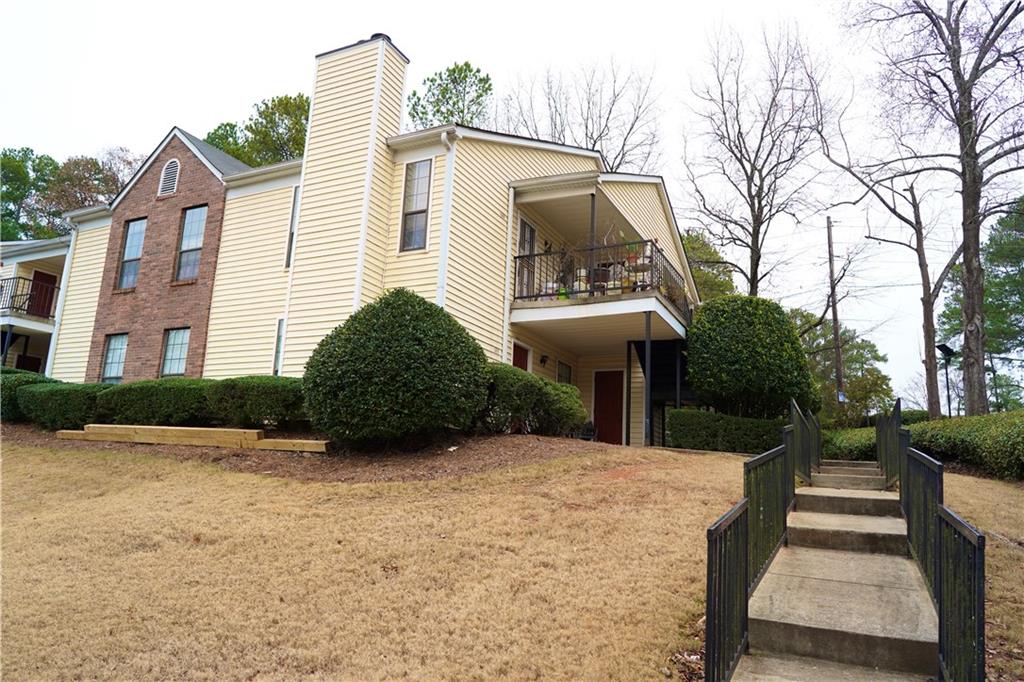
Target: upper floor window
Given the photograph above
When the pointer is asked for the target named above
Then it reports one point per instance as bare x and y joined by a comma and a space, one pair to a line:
191, 247
135, 234
175, 352
414, 205
169, 178
293, 224
113, 358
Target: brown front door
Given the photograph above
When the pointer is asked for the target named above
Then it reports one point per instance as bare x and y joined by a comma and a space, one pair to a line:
29, 363
608, 406
40, 299
521, 357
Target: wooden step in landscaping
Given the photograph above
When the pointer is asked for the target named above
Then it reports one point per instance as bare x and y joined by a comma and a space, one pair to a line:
869, 464
845, 607
192, 435
839, 501
758, 666
850, 471
848, 532
853, 482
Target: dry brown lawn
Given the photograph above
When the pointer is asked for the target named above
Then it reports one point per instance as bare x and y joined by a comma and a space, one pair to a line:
122, 565
997, 508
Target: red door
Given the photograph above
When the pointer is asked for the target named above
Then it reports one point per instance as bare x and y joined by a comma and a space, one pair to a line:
608, 406
40, 300
521, 357
30, 363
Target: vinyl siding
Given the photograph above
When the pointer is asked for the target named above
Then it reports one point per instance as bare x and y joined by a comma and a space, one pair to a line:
542, 346
331, 211
38, 344
8, 270
477, 277
26, 268
416, 270
80, 301
250, 286
590, 364
640, 203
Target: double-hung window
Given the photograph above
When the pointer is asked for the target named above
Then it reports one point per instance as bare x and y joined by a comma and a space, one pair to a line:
175, 352
191, 247
564, 373
414, 205
132, 254
113, 359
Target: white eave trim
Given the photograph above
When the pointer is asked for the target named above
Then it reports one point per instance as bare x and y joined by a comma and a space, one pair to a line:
277, 170
420, 137
600, 309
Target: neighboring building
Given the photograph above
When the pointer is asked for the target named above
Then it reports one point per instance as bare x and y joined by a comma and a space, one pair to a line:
204, 267
30, 292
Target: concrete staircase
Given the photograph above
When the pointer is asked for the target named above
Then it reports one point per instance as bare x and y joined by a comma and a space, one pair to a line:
843, 600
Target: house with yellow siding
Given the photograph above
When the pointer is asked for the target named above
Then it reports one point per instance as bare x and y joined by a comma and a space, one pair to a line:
551, 262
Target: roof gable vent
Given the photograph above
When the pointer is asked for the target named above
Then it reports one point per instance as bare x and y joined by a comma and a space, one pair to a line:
169, 178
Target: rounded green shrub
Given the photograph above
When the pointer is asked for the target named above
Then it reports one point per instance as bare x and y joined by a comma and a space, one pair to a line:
256, 401
511, 397
174, 401
849, 444
558, 411
992, 442
10, 382
56, 406
398, 369
745, 359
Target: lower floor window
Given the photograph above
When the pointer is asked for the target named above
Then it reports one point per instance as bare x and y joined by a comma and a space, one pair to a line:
175, 352
113, 358
564, 373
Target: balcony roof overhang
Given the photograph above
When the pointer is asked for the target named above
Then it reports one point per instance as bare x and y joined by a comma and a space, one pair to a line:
599, 326
25, 324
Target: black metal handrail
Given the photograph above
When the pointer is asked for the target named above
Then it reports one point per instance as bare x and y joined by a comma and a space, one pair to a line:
604, 270
727, 593
920, 496
887, 446
960, 586
769, 493
807, 441
21, 295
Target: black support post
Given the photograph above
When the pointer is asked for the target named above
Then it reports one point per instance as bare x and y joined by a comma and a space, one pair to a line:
628, 374
679, 373
648, 426
593, 240
8, 340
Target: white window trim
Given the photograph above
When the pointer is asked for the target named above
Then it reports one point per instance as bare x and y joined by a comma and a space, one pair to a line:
430, 208
176, 176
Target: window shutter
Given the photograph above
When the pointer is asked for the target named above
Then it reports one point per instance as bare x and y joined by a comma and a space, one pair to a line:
169, 178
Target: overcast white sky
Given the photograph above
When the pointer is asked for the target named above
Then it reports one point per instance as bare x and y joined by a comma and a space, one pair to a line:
80, 77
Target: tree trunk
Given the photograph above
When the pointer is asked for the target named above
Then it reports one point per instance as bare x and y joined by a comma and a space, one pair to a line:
975, 394
755, 258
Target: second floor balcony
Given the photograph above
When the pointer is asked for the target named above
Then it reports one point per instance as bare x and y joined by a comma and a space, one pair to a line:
601, 273
24, 297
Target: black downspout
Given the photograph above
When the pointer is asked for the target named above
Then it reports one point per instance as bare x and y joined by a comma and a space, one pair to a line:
648, 430
629, 389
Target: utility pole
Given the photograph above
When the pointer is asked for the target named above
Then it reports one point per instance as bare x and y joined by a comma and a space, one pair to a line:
835, 313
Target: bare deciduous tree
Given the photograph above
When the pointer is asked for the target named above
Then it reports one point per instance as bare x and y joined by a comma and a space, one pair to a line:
756, 124
603, 108
958, 67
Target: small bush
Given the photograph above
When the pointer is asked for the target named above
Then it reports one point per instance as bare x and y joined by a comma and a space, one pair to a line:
700, 430
511, 397
13, 370
913, 416
558, 411
398, 370
10, 382
256, 401
56, 406
849, 444
173, 401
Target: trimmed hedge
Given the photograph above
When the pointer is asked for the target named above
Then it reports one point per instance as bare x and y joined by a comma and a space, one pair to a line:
256, 401
559, 410
850, 444
14, 370
10, 382
908, 416
700, 430
398, 370
174, 401
511, 397
56, 406
993, 443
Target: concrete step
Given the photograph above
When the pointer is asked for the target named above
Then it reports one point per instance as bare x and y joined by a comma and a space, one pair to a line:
839, 501
846, 607
869, 464
848, 481
758, 666
849, 471
848, 532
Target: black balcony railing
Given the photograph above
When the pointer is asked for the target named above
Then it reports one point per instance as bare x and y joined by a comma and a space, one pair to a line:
606, 270
23, 296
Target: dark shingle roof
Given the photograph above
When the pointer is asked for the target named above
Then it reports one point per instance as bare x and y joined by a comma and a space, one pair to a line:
222, 161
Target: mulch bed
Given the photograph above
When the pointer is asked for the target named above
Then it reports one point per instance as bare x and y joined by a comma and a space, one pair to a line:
453, 458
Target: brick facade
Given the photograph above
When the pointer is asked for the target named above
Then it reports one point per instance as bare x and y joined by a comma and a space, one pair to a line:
157, 302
